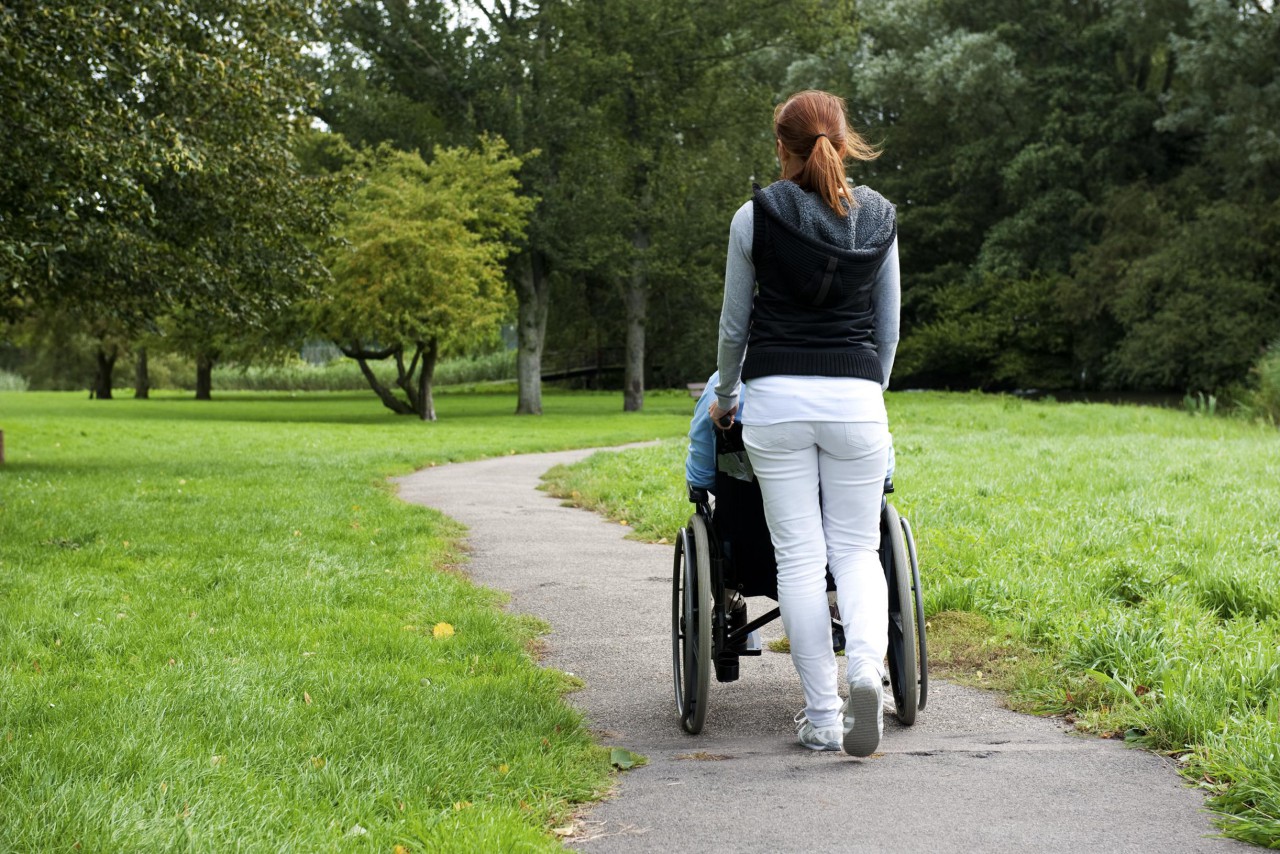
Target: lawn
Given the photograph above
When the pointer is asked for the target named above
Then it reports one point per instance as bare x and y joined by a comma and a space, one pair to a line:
1115, 564
220, 630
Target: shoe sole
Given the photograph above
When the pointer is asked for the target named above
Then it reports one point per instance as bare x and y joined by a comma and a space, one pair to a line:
864, 737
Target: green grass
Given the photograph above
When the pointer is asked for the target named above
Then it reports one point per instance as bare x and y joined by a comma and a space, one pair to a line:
216, 630
1122, 564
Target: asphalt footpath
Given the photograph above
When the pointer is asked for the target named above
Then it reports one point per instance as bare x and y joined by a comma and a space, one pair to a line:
968, 776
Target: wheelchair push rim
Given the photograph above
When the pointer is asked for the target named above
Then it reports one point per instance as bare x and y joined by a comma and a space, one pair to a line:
691, 611
918, 595
903, 654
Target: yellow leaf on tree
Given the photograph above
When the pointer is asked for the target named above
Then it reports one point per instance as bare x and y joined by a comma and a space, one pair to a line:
442, 630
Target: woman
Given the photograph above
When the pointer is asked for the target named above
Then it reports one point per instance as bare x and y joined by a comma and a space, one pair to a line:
815, 345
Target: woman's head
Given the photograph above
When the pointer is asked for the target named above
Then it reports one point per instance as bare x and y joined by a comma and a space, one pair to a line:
814, 140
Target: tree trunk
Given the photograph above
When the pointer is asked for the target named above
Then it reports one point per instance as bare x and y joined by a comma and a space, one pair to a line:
533, 290
386, 395
636, 300
204, 376
141, 377
106, 367
430, 351
388, 398
405, 377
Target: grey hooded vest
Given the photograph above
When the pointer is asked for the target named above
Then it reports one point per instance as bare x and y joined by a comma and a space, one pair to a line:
813, 314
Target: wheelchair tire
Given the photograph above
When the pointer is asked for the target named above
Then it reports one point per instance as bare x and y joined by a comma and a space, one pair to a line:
691, 607
922, 645
902, 617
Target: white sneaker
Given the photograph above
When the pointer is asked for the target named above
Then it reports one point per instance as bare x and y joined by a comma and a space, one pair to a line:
827, 738
863, 714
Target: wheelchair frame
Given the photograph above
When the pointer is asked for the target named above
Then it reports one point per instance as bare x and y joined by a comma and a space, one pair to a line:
706, 574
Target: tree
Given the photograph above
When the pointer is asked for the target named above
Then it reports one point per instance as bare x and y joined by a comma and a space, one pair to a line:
1007, 128
422, 269
148, 162
637, 108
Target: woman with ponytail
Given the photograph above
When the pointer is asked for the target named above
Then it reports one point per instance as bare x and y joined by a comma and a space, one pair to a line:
810, 326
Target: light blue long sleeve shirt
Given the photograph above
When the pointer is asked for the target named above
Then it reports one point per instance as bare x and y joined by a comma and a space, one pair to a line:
700, 463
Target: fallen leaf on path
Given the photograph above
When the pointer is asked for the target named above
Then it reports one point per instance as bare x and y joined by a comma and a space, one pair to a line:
623, 759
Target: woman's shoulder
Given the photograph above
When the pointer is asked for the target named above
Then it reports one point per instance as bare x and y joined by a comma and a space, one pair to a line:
865, 196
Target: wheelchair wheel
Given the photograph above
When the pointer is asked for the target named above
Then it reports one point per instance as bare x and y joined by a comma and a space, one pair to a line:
902, 617
918, 594
691, 624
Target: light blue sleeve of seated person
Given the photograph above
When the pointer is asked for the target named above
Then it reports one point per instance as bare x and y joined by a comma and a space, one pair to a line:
700, 463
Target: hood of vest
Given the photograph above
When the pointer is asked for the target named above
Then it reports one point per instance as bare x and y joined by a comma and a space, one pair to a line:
865, 233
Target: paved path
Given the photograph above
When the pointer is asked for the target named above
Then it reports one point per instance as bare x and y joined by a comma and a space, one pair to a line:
969, 776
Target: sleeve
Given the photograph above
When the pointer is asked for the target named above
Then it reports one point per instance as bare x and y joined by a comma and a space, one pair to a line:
700, 462
886, 296
735, 314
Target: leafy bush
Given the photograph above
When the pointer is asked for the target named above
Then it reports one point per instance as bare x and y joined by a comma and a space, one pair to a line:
12, 382
1263, 400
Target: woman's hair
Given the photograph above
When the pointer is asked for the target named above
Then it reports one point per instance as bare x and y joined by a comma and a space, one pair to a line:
812, 127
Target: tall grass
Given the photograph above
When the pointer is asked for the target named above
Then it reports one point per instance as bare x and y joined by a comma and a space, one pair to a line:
1127, 555
218, 630
345, 375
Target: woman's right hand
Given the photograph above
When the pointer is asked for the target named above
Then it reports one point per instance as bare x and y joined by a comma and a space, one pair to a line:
721, 418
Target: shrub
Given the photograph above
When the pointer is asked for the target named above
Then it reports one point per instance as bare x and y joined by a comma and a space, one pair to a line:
12, 382
1263, 399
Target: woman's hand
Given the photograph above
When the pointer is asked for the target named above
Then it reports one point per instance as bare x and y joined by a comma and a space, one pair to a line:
721, 418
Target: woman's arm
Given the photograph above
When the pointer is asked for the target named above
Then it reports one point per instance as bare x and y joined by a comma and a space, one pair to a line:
886, 296
735, 314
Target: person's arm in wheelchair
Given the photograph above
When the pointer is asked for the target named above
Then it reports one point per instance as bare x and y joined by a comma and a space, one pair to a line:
700, 462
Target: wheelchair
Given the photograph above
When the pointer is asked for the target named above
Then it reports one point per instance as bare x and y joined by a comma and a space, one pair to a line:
724, 554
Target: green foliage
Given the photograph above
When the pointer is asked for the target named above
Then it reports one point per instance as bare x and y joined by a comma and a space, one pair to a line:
1262, 400
1117, 161
9, 381
423, 248
1127, 555
147, 160
218, 631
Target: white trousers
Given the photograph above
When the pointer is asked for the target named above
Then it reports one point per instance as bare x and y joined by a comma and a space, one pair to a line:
845, 461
